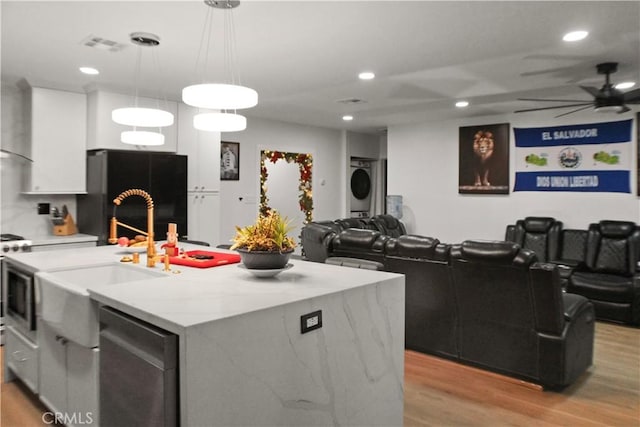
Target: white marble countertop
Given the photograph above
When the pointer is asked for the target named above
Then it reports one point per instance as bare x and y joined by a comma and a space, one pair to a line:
190, 296
50, 239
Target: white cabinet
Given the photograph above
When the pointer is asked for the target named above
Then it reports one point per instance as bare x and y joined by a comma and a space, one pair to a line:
203, 180
68, 377
21, 358
53, 362
104, 133
57, 135
82, 383
202, 150
203, 217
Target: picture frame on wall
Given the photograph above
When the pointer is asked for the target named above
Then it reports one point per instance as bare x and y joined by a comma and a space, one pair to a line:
229, 161
484, 159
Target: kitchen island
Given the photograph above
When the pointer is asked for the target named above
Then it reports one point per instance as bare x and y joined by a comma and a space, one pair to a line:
243, 359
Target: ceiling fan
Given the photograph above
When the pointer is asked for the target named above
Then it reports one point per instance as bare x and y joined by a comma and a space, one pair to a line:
605, 99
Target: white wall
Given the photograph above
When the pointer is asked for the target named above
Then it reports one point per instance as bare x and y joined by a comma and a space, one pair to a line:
423, 168
328, 182
363, 145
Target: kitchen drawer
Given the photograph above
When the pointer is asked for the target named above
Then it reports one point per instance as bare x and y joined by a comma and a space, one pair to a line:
58, 246
22, 358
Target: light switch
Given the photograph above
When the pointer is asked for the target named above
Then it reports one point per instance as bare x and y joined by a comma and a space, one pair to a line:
311, 321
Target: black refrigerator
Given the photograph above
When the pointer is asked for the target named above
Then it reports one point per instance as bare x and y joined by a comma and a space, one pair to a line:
110, 172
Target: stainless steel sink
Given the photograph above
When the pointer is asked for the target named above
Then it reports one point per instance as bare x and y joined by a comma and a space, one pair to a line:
64, 302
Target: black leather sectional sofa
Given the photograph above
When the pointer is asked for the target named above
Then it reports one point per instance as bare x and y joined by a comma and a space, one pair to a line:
487, 304
600, 263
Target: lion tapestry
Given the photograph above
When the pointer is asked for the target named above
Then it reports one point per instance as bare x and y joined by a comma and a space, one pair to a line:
484, 159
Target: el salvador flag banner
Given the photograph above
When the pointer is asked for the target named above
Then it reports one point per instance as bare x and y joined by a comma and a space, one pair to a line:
593, 157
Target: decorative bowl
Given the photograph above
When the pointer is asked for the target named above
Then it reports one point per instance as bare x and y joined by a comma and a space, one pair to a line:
264, 260
262, 273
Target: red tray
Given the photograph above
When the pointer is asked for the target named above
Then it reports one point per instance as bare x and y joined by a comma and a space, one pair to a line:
219, 258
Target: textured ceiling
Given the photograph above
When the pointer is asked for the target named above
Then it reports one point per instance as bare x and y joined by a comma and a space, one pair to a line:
304, 56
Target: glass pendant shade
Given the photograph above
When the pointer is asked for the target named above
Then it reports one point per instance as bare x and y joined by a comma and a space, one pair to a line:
143, 117
137, 137
221, 122
218, 96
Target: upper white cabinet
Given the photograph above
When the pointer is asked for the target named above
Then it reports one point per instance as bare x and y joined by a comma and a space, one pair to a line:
104, 133
202, 150
57, 135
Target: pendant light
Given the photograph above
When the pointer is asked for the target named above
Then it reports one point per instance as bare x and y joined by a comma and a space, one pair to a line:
138, 116
228, 96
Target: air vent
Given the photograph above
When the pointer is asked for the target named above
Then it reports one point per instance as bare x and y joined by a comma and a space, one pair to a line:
102, 44
351, 101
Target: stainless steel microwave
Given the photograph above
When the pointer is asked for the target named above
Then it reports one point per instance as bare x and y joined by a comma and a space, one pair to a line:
20, 303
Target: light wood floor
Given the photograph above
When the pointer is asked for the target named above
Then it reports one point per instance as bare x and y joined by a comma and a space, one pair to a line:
443, 393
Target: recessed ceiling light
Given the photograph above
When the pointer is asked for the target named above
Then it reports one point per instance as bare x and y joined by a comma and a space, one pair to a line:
347, 118
575, 36
89, 70
366, 75
462, 104
625, 85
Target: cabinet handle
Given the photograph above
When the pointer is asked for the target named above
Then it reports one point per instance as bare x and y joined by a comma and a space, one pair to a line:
17, 356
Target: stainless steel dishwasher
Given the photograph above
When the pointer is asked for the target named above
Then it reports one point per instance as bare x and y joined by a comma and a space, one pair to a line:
138, 372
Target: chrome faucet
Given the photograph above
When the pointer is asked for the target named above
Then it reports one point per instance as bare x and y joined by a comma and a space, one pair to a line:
113, 232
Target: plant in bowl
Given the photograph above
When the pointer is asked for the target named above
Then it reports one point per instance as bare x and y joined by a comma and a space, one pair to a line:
265, 244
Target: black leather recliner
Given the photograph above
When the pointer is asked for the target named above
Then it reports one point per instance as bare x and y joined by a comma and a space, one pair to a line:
514, 318
358, 243
539, 234
610, 277
430, 306
389, 225
316, 241
363, 224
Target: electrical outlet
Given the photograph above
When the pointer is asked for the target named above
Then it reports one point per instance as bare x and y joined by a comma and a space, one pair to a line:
310, 321
44, 208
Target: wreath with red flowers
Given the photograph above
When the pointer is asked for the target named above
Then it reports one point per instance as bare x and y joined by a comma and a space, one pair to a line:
305, 163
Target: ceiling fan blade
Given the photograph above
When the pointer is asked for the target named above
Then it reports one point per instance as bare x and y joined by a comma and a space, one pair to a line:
592, 90
555, 107
553, 100
624, 109
573, 111
632, 96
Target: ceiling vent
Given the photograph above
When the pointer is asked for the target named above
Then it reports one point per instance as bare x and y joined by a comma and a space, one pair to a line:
351, 101
102, 44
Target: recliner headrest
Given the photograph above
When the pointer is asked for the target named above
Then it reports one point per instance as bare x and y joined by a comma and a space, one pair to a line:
538, 224
616, 229
359, 239
412, 246
495, 252
389, 220
347, 223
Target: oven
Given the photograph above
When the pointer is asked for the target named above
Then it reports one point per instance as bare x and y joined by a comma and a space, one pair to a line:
16, 289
